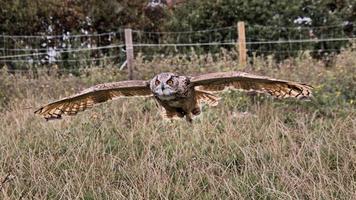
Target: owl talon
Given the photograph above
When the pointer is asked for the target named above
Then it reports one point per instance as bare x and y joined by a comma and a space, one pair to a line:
196, 111
189, 118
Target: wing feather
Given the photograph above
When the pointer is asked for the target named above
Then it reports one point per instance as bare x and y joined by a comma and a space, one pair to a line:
97, 94
243, 81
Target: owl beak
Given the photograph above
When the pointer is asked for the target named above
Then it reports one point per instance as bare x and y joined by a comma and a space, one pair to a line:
162, 86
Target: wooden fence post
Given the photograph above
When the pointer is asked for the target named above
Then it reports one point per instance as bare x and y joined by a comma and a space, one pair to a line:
129, 52
242, 44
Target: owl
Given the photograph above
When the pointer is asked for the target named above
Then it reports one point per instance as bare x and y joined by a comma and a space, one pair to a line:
179, 96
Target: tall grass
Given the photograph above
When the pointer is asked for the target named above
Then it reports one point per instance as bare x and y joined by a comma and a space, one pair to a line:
248, 147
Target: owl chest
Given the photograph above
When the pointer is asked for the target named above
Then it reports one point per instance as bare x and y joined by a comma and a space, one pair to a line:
175, 103
180, 100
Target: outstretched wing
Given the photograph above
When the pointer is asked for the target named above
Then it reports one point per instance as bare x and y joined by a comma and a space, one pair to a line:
244, 81
94, 95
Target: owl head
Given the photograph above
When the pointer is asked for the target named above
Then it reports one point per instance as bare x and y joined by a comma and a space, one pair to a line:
165, 85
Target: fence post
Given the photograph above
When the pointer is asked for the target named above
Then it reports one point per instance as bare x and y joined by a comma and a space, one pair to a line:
129, 52
4, 44
242, 44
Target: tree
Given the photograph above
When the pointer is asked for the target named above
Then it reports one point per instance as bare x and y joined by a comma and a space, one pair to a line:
270, 20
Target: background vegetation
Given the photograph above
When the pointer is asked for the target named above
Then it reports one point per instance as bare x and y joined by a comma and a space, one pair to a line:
265, 21
34, 17
245, 148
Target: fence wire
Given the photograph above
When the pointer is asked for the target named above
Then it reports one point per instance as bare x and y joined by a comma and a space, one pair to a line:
46, 49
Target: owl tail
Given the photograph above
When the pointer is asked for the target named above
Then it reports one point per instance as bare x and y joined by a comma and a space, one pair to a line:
207, 97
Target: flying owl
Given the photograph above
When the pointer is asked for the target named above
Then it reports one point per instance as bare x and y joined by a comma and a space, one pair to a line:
178, 96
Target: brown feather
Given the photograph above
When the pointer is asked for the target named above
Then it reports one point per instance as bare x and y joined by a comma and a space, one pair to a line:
93, 95
244, 81
207, 97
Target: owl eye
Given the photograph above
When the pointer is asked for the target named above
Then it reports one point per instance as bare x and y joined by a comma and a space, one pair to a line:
157, 82
170, 82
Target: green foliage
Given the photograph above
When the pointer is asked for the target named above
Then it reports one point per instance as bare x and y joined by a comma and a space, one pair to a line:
265, 20
337, 89
34, 17
270, 20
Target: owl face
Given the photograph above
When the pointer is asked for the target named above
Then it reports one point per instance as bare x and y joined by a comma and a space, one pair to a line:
165, 85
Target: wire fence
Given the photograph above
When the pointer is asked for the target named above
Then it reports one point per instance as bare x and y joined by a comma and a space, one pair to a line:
98, 48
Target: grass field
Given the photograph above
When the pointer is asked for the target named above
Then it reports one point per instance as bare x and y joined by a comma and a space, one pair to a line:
245, 148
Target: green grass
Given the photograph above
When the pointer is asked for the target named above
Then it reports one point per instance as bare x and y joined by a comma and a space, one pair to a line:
245, 148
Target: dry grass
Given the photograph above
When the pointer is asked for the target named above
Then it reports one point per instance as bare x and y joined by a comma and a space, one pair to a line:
246, 148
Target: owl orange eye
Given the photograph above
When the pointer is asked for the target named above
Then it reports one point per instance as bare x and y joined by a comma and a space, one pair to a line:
170, 82
157, 82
